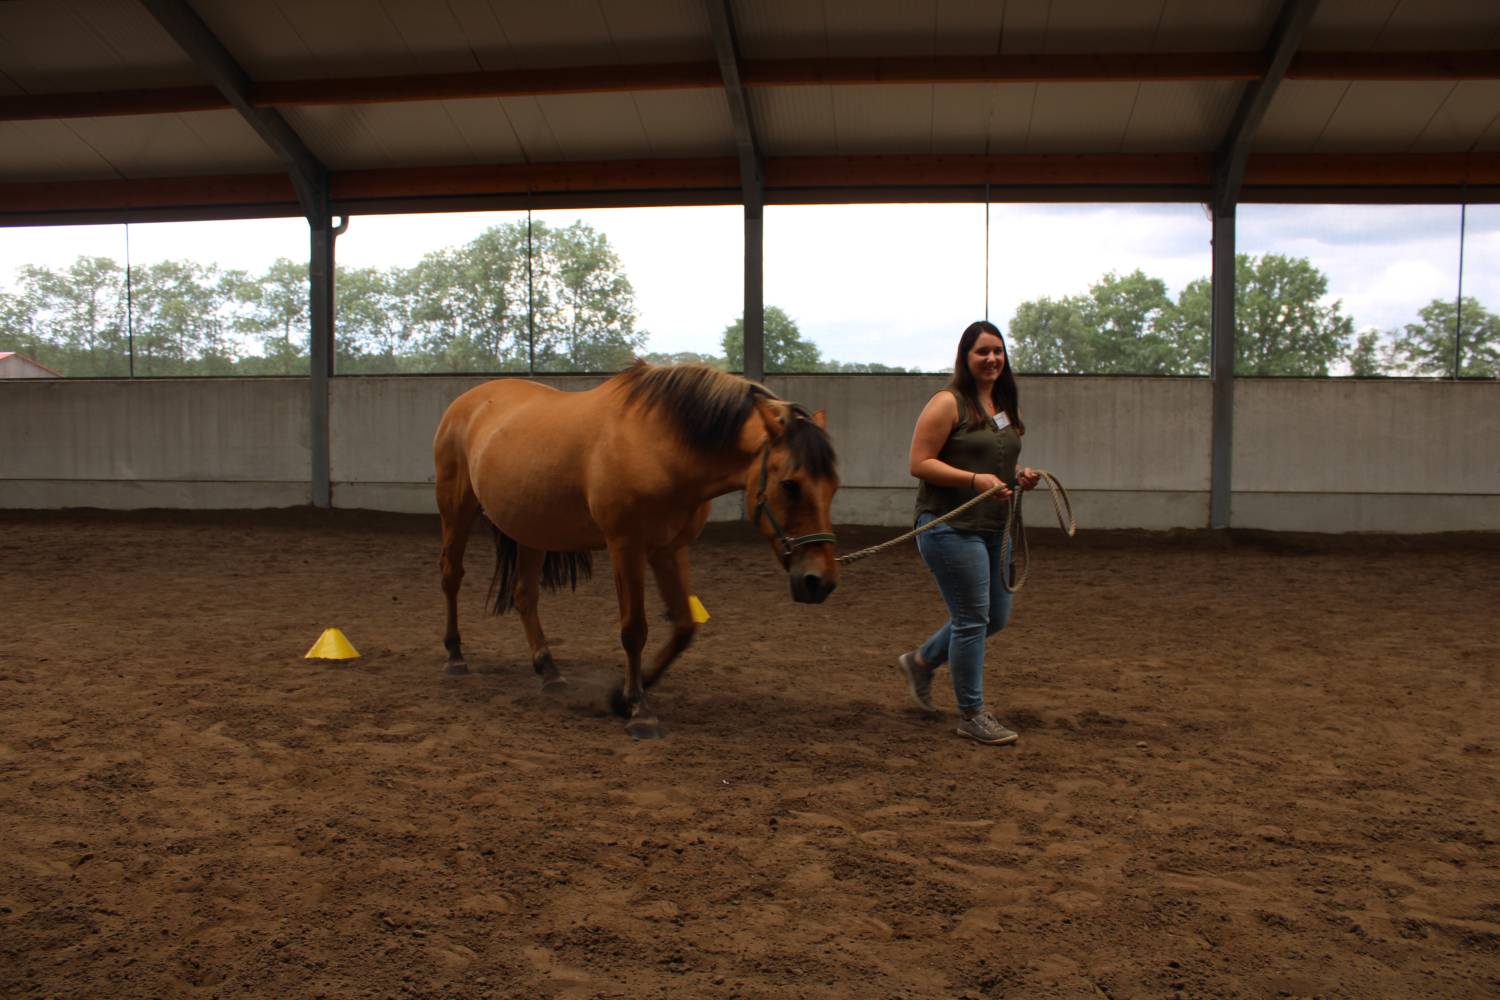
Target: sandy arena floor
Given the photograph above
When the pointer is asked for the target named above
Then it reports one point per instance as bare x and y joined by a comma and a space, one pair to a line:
1268, 768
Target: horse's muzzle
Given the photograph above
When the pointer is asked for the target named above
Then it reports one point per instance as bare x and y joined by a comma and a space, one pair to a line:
810, 588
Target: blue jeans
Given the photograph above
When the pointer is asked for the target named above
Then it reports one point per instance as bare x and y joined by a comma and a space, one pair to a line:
966, 565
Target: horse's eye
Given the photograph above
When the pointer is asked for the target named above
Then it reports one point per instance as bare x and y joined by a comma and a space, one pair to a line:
792, 489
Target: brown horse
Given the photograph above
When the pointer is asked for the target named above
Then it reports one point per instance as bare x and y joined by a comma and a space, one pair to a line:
629, 466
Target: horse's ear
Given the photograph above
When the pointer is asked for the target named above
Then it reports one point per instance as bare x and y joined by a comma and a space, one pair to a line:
773, 413
820, 417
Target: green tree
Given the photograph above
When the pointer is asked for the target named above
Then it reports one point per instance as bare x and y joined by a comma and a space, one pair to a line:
1427, 347
584, 304
863, 368
1281, 325
1364, 357
275, 311
20, 331
476, 307
1049, 335
1124, 318
485, 300
372, 332
183, 323
785, 350
1120, 327
71, 320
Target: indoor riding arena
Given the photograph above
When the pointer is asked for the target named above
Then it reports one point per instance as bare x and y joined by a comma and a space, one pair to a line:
1257, 690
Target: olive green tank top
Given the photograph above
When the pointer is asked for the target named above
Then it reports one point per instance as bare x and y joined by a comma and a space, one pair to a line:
986, 448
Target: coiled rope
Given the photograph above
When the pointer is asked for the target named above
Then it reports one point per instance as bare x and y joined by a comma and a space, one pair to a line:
1015, 529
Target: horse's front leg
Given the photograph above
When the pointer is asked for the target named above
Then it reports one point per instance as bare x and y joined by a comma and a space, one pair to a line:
671, 569
629, 700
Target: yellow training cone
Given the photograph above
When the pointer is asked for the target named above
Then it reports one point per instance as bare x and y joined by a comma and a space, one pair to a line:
700, 613
332, 645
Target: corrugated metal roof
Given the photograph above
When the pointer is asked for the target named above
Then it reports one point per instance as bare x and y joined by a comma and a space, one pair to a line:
1467, 110
203, 142
290, 39
1079, 117
1298, 115
593, 126
86, 45
871, 119
1193, 26
1179, 117
421, 133
78, 46
795, 121
1348, 25
45, 150
961, 118
1083, 26
1375, 116
1409, 25
685, 122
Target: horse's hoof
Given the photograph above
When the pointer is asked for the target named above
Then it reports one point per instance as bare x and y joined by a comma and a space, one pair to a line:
643, 729
555, 685
457, 668
617, 703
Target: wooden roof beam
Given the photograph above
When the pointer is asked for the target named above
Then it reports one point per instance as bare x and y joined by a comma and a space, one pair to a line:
716, 180
762, 73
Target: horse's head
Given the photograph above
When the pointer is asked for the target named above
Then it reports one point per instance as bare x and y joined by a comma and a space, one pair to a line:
789, 489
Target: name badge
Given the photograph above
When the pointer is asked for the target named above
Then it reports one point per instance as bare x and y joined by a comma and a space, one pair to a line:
1002, 420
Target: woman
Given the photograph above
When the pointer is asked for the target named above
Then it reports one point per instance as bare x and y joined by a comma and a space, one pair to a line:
967, 441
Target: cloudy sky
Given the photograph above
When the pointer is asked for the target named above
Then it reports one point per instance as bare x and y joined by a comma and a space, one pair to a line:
890, 283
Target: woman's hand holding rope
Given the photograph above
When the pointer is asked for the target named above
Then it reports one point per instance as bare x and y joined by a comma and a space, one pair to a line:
999, 490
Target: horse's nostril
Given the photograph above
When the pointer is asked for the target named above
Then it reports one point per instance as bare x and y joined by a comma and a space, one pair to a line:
812, 582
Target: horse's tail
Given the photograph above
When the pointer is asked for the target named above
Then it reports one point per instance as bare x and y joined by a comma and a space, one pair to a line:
558, 568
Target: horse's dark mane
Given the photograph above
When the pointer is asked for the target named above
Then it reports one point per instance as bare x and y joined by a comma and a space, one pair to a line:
808, 445
707, 407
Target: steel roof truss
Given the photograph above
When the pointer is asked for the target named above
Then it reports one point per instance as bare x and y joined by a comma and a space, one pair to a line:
1234, 151
186, 28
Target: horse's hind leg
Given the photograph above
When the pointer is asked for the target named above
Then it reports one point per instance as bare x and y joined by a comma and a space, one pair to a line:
525, 596
457, 507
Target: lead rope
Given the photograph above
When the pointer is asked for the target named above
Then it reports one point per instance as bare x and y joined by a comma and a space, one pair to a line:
1013, 527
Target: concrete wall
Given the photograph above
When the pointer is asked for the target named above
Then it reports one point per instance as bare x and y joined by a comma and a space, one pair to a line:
1310, 455
1332, 455
1133, 452
154, 443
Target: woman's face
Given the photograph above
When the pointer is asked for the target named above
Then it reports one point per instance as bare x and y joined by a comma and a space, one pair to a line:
986, 360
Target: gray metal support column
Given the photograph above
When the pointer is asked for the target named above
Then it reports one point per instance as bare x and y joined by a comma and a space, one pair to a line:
309, 179
726, 46
755, 293
320, 275
1229, 174
1221, 366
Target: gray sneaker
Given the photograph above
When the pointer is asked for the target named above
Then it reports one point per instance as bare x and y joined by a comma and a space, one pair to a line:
985, 728
918, 680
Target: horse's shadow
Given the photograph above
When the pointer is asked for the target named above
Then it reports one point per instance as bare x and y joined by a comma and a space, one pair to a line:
586, 694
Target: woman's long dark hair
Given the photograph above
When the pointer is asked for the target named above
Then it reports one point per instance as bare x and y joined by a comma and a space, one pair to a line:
1004, 395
